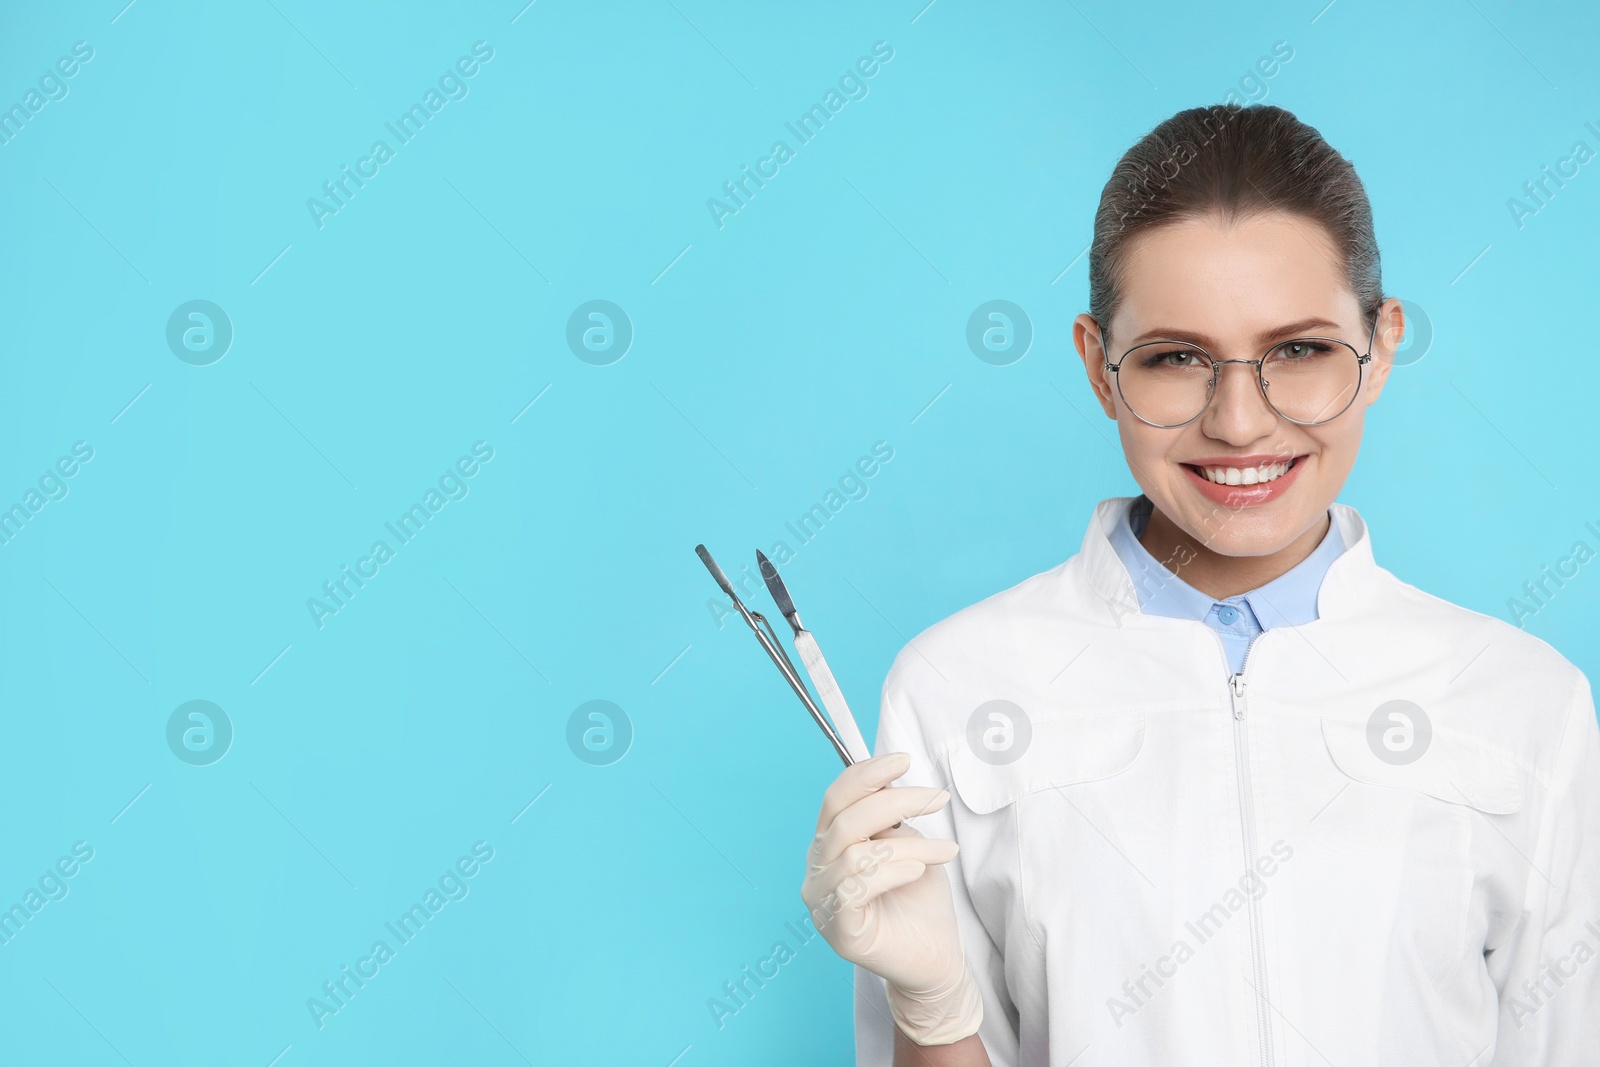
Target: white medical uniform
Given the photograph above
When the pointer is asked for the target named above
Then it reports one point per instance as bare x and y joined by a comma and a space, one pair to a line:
1191, 867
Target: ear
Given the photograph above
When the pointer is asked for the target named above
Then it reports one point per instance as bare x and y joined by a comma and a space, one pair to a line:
1088, 340
1391, 330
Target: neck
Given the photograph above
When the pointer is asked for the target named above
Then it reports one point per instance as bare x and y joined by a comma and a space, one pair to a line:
1219, 576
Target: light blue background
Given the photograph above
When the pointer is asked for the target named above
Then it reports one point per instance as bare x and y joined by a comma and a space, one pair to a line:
768, 356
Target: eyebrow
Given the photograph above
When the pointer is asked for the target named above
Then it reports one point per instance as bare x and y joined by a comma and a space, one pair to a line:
1162, 333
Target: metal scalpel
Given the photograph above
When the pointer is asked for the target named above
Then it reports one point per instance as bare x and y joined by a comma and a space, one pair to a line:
816, 667
852, 747
774, 649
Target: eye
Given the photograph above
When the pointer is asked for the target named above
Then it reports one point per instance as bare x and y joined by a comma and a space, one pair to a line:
1176, 358
1298, 351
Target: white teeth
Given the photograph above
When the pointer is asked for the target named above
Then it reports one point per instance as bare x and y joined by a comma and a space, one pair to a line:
1271, 472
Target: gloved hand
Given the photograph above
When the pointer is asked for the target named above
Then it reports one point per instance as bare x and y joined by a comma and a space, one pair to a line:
881, 898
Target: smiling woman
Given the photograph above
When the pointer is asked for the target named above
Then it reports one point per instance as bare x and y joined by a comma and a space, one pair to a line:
1259, 688
1211, 447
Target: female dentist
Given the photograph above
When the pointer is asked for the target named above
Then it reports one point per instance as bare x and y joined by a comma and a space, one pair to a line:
1219, 789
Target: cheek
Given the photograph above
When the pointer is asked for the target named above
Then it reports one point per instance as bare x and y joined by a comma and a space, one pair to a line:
1143, 448
1336, 449
1140, 439
1335, 465
1149, 454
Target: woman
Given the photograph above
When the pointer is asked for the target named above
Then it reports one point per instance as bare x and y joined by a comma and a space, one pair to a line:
1219, 789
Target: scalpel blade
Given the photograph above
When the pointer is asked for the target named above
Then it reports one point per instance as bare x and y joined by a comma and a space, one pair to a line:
779, 591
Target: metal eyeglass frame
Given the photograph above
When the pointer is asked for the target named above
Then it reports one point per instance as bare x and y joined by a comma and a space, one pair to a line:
1261, 382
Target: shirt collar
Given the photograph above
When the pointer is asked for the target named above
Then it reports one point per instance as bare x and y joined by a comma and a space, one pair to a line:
1288, 600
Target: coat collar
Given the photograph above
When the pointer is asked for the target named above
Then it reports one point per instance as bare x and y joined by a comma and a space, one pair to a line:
1343, 590
1290, 599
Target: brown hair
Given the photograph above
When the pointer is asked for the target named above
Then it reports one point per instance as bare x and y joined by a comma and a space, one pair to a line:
1238, 161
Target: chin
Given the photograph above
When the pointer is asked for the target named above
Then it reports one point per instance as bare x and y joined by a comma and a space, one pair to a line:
1253, 530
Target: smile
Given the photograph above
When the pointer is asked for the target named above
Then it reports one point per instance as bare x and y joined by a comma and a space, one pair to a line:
1269, 472
1248, 481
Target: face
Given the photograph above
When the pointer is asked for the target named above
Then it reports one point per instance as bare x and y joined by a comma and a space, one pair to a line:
1237, 291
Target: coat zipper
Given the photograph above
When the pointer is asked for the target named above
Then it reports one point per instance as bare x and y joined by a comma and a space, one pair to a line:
1241, 757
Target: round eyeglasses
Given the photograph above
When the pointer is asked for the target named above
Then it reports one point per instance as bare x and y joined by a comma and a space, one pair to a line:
1306, 380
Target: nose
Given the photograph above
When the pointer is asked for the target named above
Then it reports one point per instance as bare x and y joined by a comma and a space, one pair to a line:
1238, 412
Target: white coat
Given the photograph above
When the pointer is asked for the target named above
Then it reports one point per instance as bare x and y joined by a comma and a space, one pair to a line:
1186, 868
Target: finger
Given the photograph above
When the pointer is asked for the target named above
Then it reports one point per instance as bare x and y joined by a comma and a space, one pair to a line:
858, 780
873, 814
856, 876
852, 875
842, 920
894, 876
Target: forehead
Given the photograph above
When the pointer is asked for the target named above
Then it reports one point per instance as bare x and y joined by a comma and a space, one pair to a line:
1232, 280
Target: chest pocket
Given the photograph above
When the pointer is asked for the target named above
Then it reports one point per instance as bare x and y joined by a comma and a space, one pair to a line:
1061, 751
1430, 870
1455, 767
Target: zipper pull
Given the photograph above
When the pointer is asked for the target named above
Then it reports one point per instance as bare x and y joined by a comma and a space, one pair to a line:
1236, 684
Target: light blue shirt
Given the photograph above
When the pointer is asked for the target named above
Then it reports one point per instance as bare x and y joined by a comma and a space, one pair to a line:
1288, 600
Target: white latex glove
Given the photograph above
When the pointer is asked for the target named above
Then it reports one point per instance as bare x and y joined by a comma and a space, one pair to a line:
881, 898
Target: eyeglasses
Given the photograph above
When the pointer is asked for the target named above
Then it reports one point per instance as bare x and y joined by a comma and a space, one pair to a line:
1306, 380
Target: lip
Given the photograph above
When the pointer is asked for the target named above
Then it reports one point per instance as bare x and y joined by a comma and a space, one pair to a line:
1243, 496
